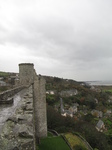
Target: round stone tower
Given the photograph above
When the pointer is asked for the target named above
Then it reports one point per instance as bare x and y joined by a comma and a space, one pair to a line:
26, 73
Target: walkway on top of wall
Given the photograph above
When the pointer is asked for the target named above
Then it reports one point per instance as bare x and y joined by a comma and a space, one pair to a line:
7, 110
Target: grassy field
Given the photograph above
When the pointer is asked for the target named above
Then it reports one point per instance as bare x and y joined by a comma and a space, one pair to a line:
53, 143
3, 74
106, 88
75, 141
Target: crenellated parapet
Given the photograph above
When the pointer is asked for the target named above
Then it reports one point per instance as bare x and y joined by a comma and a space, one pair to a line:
5, 97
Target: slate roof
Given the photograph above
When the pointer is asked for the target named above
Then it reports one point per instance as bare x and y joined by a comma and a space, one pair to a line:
100, 124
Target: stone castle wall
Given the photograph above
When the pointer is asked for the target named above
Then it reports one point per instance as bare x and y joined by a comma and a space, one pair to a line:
28, 76
17, 132
4, 96
28, 122
40, 107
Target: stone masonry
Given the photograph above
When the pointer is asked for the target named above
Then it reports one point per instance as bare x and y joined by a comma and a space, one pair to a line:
28, 76
40, 107
26, 73
28, 122
18, 130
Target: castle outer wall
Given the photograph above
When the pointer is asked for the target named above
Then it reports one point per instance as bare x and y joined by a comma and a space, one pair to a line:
40, 107
28, 76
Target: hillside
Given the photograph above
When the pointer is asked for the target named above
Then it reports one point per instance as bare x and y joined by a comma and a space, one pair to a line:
78, 107
60, 83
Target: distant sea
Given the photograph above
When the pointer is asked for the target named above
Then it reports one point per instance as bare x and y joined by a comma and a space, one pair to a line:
107, 83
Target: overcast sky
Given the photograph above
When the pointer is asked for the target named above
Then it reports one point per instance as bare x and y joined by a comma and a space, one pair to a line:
64, 38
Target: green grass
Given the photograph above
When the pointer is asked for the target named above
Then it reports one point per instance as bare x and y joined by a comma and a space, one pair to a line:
53, 143
50, 134
110, 90
108, 122
106, 89
75, 141
3, 74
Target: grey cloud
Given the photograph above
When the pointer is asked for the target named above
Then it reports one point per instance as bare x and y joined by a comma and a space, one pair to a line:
75, 38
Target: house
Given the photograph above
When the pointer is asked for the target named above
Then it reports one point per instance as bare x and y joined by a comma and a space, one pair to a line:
50, 92
63, 111
110, 101
70, 92
93, 88
100, 126
97, 113
96, 101
67, 113
2, 83
82, 84
73, 109
17, 82
76, 104
109, 112
1, 78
